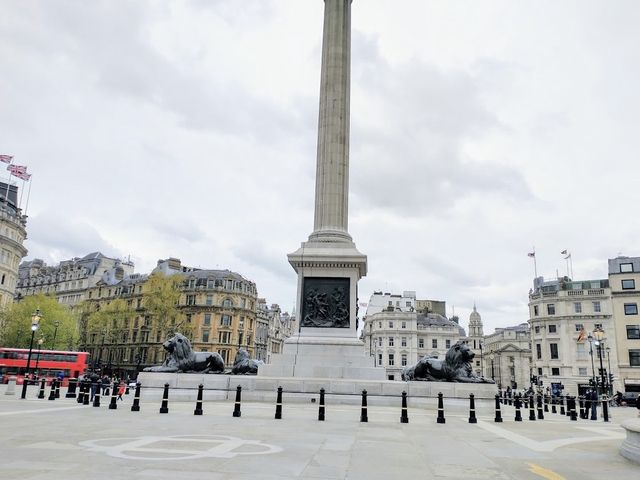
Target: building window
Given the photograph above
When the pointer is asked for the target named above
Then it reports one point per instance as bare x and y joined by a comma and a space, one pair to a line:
553, 348
225, 320
379, 341
434, 343
227, 303
404, 325
191, 299
596, 307
555, 371
577, 307
633, 332
421, 343
447, 343
391, 341
224, 354
579, 327
626, 267
538, 351
207, 319
403, 359
209, 299
408, 304
379, 359
552, 329
582, 371
634, 358
536, 329
391, 360
403, 341
224, 337
390, 324
379, 324
597, 326
205, 336
551, 309
630, 308
628, 284
535, 310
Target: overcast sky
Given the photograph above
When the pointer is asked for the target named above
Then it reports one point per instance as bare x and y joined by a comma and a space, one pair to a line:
188, 129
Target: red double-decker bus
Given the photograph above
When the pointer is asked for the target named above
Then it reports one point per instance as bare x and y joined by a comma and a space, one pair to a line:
44, 363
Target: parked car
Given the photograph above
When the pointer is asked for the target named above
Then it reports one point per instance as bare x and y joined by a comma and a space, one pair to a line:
630, 398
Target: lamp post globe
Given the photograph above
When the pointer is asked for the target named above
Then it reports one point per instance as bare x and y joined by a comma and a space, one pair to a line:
56, 324
35, 324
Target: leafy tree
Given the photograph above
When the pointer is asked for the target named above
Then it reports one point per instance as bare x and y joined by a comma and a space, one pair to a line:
111, 318
15, 324
161, 296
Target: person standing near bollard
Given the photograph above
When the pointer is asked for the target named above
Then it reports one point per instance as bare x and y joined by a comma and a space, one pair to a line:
121, 390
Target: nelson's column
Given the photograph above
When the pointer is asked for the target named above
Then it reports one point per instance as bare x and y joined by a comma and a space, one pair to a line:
328, 264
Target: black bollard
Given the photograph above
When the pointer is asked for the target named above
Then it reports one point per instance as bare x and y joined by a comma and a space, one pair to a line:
126, 391
136, 399
114, 397
71, 388
583, 415
278, 415
321, 406
42, 385
540, 413
164, 408
404, 417
80, 398
58, 382
198, 410
510, 398
605, 408
546, 403
568, 414
96, 397
441, 418
363, 411
87, 393
562, 411
236, 408
553, 405
518, 404
532, 412
472, 408
52, 392
498, 418
573, 415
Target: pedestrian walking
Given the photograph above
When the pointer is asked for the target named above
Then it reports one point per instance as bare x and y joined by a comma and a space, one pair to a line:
121, 389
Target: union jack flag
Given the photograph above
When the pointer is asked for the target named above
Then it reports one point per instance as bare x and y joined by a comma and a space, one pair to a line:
19, 171
6, 158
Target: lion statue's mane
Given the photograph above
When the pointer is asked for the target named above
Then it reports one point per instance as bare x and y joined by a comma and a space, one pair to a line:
456, 367
181, 358
244, 365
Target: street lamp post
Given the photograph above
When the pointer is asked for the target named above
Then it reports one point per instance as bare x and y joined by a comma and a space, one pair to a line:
55, 333
35, 323
481, 360
40, 342
599, 334
610, 377
491, 357
593, 368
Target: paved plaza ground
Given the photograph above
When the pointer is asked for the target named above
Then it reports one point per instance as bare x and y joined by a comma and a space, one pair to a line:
44, 439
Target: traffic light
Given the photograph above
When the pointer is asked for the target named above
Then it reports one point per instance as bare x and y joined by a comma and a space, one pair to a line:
611, 379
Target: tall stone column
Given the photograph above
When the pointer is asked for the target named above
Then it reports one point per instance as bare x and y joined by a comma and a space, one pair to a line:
332, 170
328, 264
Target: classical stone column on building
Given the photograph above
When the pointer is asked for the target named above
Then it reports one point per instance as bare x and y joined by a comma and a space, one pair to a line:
328, 264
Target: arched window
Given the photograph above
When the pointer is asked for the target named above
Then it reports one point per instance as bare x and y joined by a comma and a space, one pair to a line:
227, 302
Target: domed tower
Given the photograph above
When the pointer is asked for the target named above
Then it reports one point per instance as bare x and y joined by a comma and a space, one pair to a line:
475, 324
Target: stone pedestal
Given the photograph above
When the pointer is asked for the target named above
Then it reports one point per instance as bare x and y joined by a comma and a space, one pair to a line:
630, 448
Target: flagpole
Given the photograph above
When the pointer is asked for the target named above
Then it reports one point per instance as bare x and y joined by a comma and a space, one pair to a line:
28, 195
535, 262
21, 192
571, 264
6, 194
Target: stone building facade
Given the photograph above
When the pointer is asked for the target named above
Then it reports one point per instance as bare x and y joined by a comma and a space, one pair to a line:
624, 281
70, 280
507, 356
562, 313
13, 233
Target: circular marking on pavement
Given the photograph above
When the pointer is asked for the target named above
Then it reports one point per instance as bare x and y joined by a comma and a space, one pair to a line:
179, 447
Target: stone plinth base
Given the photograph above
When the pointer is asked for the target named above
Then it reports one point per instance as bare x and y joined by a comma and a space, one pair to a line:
630, 448
184, 387
322, 358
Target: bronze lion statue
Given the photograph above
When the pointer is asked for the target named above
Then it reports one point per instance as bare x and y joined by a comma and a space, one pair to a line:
181, 358
456, 367
244, 365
